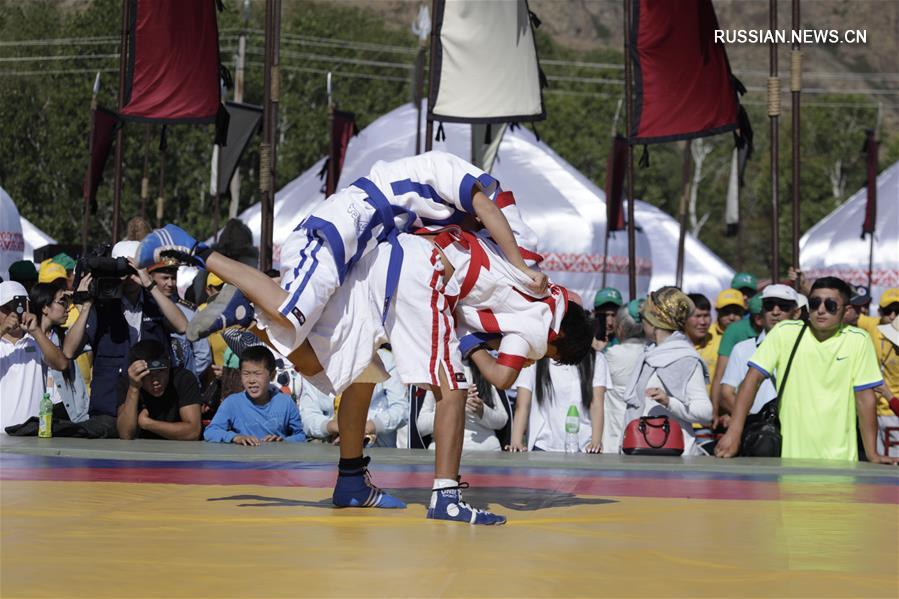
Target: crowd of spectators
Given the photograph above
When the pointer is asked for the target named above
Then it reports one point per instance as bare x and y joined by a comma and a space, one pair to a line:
117, 363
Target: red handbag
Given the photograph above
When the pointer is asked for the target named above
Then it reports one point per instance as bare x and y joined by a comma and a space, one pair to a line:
653, 435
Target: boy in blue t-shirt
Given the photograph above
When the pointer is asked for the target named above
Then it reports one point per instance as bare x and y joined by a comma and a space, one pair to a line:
259, 414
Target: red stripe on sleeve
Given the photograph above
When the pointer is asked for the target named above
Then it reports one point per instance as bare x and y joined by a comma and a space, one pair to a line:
529, 255
505, 199
514, 362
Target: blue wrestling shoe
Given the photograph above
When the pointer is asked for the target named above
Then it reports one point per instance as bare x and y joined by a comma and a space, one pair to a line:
173, 241
355, 489
229, 307
450, 506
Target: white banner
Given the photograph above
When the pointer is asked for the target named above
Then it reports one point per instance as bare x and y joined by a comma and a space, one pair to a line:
486, 62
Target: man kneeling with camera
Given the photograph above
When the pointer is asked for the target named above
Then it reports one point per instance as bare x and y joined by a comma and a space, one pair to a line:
155, 400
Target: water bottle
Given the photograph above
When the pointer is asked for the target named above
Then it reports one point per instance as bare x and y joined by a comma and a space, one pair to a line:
45, 418
572, 427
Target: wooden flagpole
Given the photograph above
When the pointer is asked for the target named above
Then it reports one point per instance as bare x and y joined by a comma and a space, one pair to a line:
267, 150
628, 93
432, 77
120, 134
774, 114
682, 214
795, 93
85, 226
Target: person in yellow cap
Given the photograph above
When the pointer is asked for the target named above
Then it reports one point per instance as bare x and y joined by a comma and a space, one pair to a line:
887, 356
730, 307
704, 337
52, 272
216, 341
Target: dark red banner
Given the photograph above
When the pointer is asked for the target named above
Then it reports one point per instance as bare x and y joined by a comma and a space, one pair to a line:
682, 81
173, 62
871, 151
615, 184
105, 124
343, 127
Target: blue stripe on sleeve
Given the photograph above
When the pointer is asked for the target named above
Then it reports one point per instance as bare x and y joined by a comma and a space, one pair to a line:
760, 369
465, 193
868, 386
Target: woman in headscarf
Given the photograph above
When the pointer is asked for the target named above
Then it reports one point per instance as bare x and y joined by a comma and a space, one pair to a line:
671, 379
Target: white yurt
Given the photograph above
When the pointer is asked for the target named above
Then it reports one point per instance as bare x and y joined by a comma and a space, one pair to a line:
565, 209
834, 246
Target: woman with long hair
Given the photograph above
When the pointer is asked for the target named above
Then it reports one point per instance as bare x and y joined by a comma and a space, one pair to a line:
671, 378
546, 391
50, 304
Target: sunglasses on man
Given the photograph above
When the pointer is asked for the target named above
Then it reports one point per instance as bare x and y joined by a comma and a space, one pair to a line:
831, 305
890, 310
769, 303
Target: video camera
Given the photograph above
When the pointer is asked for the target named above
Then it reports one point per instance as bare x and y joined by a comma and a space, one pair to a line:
106, 274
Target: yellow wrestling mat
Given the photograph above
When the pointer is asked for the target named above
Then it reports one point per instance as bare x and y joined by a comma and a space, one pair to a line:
67, 531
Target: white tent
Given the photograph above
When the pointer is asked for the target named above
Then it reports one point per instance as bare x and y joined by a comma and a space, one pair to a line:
18, 237
34, 238
834, 246
565, 209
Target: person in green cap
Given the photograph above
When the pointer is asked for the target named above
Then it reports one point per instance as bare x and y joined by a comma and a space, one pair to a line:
746, 284
741, 330
67, 263
605, 305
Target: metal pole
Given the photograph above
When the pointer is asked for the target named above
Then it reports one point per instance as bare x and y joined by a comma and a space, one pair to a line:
629, 193
238, 97
120, 134
682, 238
432, 76
795, 92
773, 114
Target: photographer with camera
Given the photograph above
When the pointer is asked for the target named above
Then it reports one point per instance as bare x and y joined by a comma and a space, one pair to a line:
120, 306
25, 351
156, 401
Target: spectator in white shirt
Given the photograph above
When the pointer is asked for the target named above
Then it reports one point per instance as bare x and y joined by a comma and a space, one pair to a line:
779, 302
546, 391
25, 353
